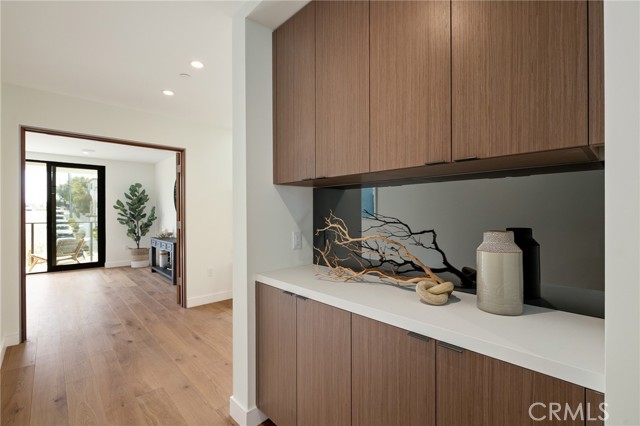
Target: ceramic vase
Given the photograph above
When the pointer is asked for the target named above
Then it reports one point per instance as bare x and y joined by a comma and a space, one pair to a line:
499, 264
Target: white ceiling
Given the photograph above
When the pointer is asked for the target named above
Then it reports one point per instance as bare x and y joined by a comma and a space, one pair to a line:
124, 53
61, 145
272, 13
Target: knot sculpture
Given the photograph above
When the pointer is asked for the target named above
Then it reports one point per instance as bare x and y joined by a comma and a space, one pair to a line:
434, 293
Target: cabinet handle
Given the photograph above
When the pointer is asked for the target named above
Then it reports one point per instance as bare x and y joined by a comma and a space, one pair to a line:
418, 336
321, 177
460, 160
288, 293
301, 297
451, 347
435, 163
307, 178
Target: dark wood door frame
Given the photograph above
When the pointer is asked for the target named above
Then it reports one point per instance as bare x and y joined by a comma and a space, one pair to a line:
180, 212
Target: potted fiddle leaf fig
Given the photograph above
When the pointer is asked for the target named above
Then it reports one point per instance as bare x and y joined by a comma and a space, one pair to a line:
132, 214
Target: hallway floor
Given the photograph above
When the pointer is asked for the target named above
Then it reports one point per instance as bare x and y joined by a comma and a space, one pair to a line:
112, 347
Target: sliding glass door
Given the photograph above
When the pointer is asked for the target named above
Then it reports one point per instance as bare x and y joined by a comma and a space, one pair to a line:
67, 230
75, 216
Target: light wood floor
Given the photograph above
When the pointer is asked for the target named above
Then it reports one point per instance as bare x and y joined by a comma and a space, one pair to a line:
111, 347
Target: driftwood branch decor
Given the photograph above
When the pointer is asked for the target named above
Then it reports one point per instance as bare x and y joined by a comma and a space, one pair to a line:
382, 254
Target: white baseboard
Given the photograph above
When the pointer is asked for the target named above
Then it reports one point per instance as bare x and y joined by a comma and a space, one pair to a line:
243, 416
8, 340
209, 298
117, 264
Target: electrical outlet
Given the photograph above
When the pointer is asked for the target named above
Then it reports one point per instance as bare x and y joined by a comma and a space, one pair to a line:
296, 240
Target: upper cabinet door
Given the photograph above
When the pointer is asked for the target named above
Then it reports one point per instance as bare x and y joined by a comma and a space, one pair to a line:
596, 72
342, 88
410, 83
519, 77
295, 97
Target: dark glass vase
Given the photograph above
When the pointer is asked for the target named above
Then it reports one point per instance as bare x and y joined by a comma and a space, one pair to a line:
530, 261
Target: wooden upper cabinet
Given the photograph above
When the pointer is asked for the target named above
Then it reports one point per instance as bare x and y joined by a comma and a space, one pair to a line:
276, 354
596, 72
410, 83
519, 77
393, 376
473, 389
342, 88
324, 364
294, 94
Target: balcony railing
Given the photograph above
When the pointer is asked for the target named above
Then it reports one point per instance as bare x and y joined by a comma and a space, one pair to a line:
36, 237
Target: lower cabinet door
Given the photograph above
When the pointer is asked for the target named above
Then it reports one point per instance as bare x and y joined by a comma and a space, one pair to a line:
475, 390
595, 407
324, 365
393, 375
276, 354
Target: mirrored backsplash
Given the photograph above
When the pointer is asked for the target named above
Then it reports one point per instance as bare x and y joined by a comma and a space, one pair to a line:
565, 211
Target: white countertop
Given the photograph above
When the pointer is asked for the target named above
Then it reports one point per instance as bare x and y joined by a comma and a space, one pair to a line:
559, 344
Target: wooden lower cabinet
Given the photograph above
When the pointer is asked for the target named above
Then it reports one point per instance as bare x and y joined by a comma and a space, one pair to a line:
324, 364
303, 360
318, 365
276, 354
595, 407
393, 375
475, 390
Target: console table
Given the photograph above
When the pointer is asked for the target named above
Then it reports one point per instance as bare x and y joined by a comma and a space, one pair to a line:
168, 245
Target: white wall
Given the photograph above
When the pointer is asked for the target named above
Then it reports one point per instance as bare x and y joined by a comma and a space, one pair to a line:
264, 215
622, 211
119, 175
566, 212
165, 173
208, 183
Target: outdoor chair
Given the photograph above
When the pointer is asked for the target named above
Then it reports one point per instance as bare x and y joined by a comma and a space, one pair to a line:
67, 250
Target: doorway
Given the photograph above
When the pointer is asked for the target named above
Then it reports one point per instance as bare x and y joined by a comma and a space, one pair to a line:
64, 217
71, 210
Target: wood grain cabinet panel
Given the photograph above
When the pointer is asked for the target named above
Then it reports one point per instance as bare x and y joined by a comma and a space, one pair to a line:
596, 72
474, 390
342, 88
294, 98
410, 83
324, 365
276, 354
393, 376
519, 77
596, 409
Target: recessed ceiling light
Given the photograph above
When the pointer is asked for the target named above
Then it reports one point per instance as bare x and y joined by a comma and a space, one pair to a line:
197, 64
88, 151
167, 92
185, 75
